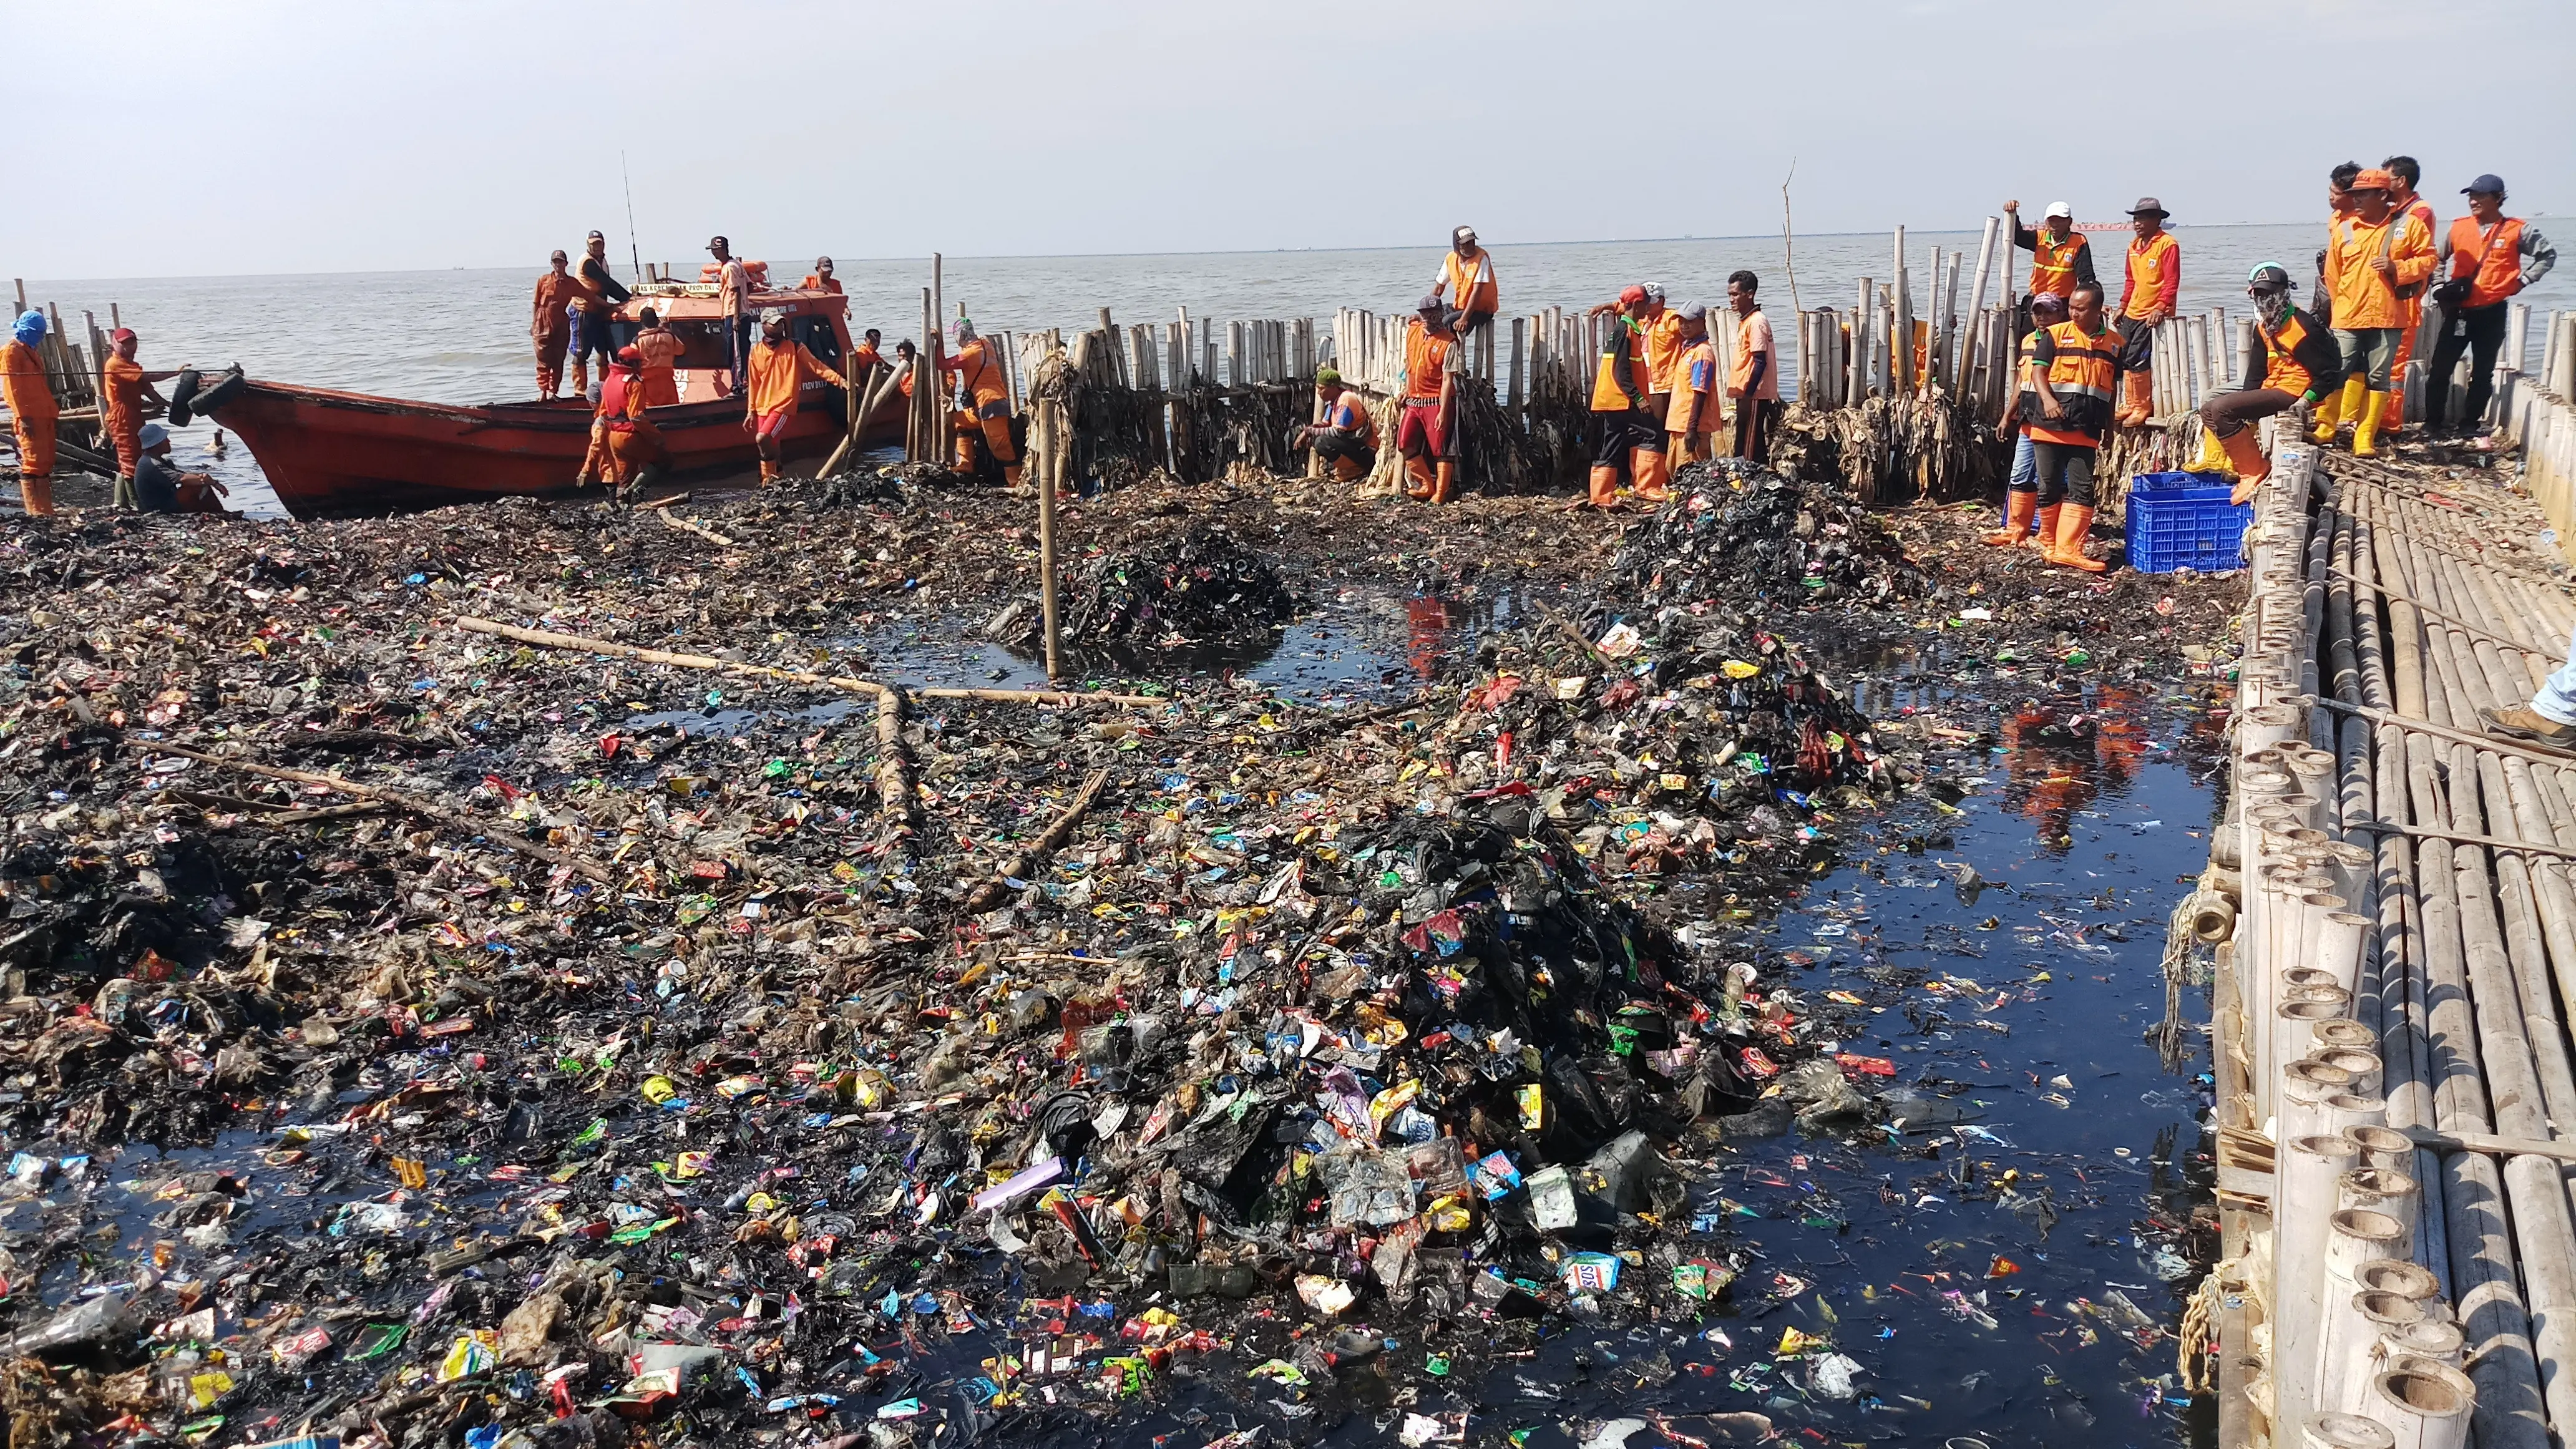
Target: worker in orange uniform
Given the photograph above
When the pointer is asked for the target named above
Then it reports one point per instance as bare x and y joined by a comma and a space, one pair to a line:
552, 327
2371, 256
129, 387
1663, 359
2295, 356
2060, 258
1699, 392
1753, 379
1424, 431
905, 355
1629, 427
594, 311
821, 279
2146, 299
32, 411
2076, 367
978, 365
2406, 201
1466, 281
774, 377
2488, 258
637, 453
1343, 434
659, 349
2026, 524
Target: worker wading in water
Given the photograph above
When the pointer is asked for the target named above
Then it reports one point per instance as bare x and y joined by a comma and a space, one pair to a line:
2076, 369
32, 411
777, 372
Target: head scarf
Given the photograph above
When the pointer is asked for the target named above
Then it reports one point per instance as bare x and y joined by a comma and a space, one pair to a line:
30, 328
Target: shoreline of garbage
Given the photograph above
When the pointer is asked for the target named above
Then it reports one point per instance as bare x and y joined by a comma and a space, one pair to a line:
660, 1084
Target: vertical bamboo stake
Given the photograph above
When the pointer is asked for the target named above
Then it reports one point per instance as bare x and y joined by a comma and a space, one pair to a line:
1051, 412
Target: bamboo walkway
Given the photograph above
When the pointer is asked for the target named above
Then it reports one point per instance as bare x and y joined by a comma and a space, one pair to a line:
2397, 1081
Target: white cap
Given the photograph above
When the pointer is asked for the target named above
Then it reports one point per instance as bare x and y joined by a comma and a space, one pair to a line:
2060, 208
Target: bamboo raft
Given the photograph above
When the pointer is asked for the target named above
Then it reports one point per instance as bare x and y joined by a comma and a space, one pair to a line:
2397, 1083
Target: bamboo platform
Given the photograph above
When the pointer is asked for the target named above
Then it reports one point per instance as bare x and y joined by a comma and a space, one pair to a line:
2397, 1083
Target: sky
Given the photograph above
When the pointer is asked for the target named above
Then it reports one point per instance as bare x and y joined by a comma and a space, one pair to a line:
192, 139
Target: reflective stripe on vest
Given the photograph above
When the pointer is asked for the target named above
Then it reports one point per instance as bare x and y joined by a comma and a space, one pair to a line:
2084, 366
2497, 263
2281, 367
2052, 264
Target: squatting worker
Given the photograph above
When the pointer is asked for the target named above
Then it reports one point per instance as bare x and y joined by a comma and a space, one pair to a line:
978, 365
636, 452
1343, 434
1425, 430
2075, 368
821, 279
2370, 255
2294, 355
1466, 281
1699, 392
32, 410
2147, 296
1629, 427
128, 388
659, 348
733, 285
2060, 258
161, 488
2405, 200
593, 312
552, 328
775, 375
2486, 258
1753, 379
2022, 512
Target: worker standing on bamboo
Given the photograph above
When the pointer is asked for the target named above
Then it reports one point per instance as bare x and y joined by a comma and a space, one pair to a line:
2146, 300
1754, 379
128, 388
1629, 426
594, 311
2488, 258
2371, 256
733, 286
1466, 280
2022, 513
552, 327
2295, 358
2060, 258
2404, 173
2076, 372
774, 379
987, 388
1424, 427
32, 411
1699, 392
1343, 434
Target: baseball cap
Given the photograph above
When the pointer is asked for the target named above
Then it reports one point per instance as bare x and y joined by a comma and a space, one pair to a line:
2060, 208
1632, 296
1431, 303
596, 235
2487, 184
2375, 179
714, 242
1695, 312
121, 334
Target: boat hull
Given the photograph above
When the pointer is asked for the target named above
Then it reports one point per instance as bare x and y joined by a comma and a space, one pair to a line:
327, 452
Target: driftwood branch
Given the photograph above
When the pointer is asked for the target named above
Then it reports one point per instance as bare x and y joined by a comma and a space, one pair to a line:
685, 526
989, 894
400, 800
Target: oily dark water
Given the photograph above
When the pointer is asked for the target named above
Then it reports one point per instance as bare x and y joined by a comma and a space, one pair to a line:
2009, 1266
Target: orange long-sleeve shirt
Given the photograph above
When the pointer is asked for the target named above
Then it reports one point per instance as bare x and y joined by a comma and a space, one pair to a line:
777, 372
659, 347
2154, 279
2363, 299
124, 401
23, 385
980, 368
556, 291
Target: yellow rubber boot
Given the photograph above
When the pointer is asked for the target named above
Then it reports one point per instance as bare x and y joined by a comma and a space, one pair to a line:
2365, 433
2212, 457
2350, 403
2329, 412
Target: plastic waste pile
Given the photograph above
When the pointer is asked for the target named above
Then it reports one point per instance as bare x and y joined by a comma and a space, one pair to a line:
1203, 586
1745, 538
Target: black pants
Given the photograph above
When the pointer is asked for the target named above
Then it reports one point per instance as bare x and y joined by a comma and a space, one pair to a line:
2227, 414
2137, 344
1623, 432
1755, 419
592, 332
2065, 472
1335, 444
741, 359
2478, 331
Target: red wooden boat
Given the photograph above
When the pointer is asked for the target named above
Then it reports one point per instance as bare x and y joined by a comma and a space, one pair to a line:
328, 452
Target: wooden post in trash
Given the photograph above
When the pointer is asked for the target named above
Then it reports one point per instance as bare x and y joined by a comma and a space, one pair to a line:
1046, 482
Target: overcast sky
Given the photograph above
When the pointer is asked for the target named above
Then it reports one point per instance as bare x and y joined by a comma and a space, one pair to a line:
214, 138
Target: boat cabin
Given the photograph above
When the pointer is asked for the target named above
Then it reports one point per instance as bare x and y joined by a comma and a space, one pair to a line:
695, 312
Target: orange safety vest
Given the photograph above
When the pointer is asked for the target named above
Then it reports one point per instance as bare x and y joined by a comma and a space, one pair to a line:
1426, 356
1606, 396
2052, 263
2083, 375
1466, 292
2281, 368
2149, 271
2496, 264
1348, 414
1663, 349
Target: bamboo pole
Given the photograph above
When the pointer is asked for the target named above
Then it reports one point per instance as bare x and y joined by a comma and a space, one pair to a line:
989, 893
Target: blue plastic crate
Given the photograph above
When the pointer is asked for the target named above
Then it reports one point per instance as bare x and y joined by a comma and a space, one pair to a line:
2180, 521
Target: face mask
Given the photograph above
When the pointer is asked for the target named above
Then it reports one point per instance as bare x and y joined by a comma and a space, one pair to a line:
2273, 307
